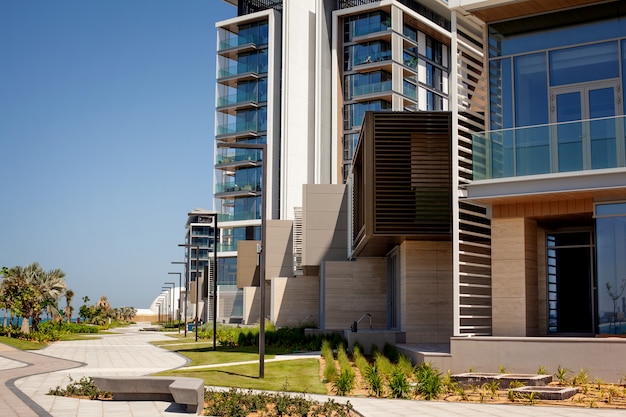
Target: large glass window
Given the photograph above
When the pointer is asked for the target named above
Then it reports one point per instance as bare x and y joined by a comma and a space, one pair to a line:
227, 271
531, 90
611, 260
354, 113
584, 63
366, 23
366, 53
367, 83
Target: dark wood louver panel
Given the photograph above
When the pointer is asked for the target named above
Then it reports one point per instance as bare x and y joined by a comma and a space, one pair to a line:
402, 174
412, 173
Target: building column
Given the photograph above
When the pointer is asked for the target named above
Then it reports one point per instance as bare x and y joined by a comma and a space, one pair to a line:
514, 276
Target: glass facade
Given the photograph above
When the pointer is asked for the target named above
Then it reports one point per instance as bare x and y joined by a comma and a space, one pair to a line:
611, 260
555, 102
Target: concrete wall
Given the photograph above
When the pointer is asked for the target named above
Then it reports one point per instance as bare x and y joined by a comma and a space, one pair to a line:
351, 289
324, 224
514, 277
426, 279
295, 301
600, 357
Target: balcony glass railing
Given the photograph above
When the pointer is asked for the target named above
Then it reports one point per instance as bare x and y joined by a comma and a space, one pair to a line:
361, 29
240, 98
236, 41
372, 88
240, 127
560, 147
239, 215
369, 58
239, 69
232, 187
239, 156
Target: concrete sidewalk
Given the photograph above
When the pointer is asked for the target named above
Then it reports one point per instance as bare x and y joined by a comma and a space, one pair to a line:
28, 376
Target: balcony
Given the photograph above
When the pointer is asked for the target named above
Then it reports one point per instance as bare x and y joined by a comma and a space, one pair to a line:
373, 88
237, 159
240, 129
240, 44
549, 149
241, 100
232, 189
239, 216
373, 59
241, 71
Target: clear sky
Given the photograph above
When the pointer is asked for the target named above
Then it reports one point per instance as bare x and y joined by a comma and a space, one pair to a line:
106, 138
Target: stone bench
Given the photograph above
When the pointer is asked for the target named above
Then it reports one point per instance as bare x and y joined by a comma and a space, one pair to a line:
187, 391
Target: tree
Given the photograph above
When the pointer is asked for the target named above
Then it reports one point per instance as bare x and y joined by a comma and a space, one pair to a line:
69, 310
27, 291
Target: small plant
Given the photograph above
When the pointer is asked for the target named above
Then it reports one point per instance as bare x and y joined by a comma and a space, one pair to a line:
493, 388
399, 386
541, 370
482, 394
375, 383
462, 393
512, 395
502, 369
531, 398
344, 384
84, 387
448, 384
580, 379
561, 375
429, 381
515, 384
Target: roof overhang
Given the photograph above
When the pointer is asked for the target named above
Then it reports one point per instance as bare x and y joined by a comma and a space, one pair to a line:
596, 184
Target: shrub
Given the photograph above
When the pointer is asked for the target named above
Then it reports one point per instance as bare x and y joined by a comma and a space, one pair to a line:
399, 386
429, 381
85, 387
374, 381
344, 384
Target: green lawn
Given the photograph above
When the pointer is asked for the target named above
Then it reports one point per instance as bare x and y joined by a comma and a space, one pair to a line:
301, 375
202, 353
21, 344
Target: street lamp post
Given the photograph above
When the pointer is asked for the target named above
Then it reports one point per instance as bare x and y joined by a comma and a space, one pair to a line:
173, 284
197, 248
168, 303
263, 148
158, 312
186, 291
179, 289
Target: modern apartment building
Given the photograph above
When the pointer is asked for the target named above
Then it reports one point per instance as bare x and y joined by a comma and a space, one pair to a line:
199, 268
450, 174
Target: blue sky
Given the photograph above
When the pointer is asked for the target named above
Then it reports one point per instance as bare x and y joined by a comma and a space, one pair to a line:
106, 127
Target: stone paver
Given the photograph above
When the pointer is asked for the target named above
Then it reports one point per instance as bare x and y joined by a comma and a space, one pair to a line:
28, 376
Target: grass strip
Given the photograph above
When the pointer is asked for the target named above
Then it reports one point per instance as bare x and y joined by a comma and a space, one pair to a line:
299, 375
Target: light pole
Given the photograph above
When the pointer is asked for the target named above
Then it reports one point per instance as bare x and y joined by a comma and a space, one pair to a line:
263, 148
173, 284
167, 304
179, 289
186, 290
158, 312
161, 304
197, 248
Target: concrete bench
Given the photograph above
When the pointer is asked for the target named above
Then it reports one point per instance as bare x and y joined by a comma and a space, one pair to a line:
187, 391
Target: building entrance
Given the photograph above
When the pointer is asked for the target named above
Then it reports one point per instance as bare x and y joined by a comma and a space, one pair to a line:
571, 280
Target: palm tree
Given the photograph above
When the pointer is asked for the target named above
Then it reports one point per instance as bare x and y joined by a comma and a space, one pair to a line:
103, 303
69, 310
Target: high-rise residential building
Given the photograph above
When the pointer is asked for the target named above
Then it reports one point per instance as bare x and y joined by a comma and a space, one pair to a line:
448, 173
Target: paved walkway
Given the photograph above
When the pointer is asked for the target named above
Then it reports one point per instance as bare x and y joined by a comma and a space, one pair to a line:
28, 376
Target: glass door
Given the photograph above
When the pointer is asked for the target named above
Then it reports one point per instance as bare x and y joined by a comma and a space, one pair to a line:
571, 292
586, 129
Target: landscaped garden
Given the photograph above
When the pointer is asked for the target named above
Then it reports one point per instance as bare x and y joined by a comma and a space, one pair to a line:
383, 374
